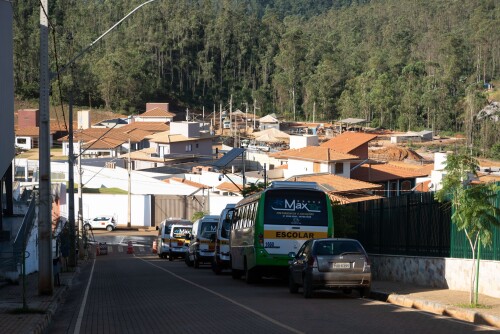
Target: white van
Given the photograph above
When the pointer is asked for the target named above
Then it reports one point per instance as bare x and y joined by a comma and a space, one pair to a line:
222, 255
202, 241
179, 240
163, 237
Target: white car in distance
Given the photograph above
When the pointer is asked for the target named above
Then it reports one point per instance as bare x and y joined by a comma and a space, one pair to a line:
100, 222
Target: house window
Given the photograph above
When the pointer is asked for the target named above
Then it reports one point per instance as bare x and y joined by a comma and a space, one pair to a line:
406, 185
189, 148
339, 168
196, 145
21, 141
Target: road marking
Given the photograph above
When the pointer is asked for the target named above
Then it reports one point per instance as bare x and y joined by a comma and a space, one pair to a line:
82, 306
263, 316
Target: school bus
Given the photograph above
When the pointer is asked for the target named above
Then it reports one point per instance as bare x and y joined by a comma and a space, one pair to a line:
268, 225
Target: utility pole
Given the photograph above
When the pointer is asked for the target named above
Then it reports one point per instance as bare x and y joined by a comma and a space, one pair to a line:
254, 108
220, 120
314, 111
80, 201
45, 274
231, 119
71, 189
129, 221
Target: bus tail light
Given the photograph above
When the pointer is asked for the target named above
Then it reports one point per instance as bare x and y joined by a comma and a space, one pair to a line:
261, 240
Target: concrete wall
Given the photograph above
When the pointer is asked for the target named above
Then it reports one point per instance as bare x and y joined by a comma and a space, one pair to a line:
436, 272
114, 205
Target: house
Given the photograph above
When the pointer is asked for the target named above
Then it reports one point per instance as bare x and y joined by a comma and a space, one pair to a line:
340, 189
155, 112
394, 179
27, 138
268, 122
315, 159
111, 142
355, 143
184, 138
422, 136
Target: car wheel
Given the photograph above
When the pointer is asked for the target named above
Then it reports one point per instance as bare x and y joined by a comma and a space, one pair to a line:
170, 256
292, 286
109, 228
307, 287
364, 292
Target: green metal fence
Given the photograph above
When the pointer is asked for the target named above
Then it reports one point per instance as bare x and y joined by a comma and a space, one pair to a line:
413, 224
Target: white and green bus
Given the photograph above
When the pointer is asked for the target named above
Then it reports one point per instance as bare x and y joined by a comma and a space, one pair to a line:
268, 225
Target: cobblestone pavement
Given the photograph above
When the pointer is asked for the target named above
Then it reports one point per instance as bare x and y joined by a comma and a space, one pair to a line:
438, 301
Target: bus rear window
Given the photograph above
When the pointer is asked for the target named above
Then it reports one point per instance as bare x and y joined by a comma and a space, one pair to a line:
301, 207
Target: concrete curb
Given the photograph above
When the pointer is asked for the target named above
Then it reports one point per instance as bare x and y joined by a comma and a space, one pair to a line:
464, 314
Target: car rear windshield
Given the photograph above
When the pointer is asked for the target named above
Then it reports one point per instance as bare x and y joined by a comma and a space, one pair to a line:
208, 229
180, 232
338, 247
303, 208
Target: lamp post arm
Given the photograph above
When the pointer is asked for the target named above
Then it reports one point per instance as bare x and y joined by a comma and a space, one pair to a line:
232, 182
82, 52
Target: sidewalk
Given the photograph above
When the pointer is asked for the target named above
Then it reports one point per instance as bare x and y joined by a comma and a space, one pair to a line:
42, 308
438, 301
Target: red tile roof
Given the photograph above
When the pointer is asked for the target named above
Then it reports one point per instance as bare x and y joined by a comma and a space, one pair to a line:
352, 197
157, 112
384, 172
30, 131
335, 183
348, 141
228, 186
423, 187
314, 153
188, 182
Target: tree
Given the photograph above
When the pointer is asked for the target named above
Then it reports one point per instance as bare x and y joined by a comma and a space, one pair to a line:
197, 215
473, 208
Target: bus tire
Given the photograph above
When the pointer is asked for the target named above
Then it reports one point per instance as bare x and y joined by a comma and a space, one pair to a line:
251, 275
235, 274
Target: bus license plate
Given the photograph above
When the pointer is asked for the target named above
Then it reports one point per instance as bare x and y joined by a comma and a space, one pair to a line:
341, 265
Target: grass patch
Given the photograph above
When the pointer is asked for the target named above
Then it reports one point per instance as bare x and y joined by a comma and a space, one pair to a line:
473, 306
27, 311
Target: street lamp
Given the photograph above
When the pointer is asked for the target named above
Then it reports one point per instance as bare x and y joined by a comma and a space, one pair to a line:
45, 280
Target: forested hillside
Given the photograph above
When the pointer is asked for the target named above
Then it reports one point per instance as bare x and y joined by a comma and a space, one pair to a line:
403, 64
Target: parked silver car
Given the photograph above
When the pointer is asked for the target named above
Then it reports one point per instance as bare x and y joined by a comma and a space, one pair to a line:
330, 263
